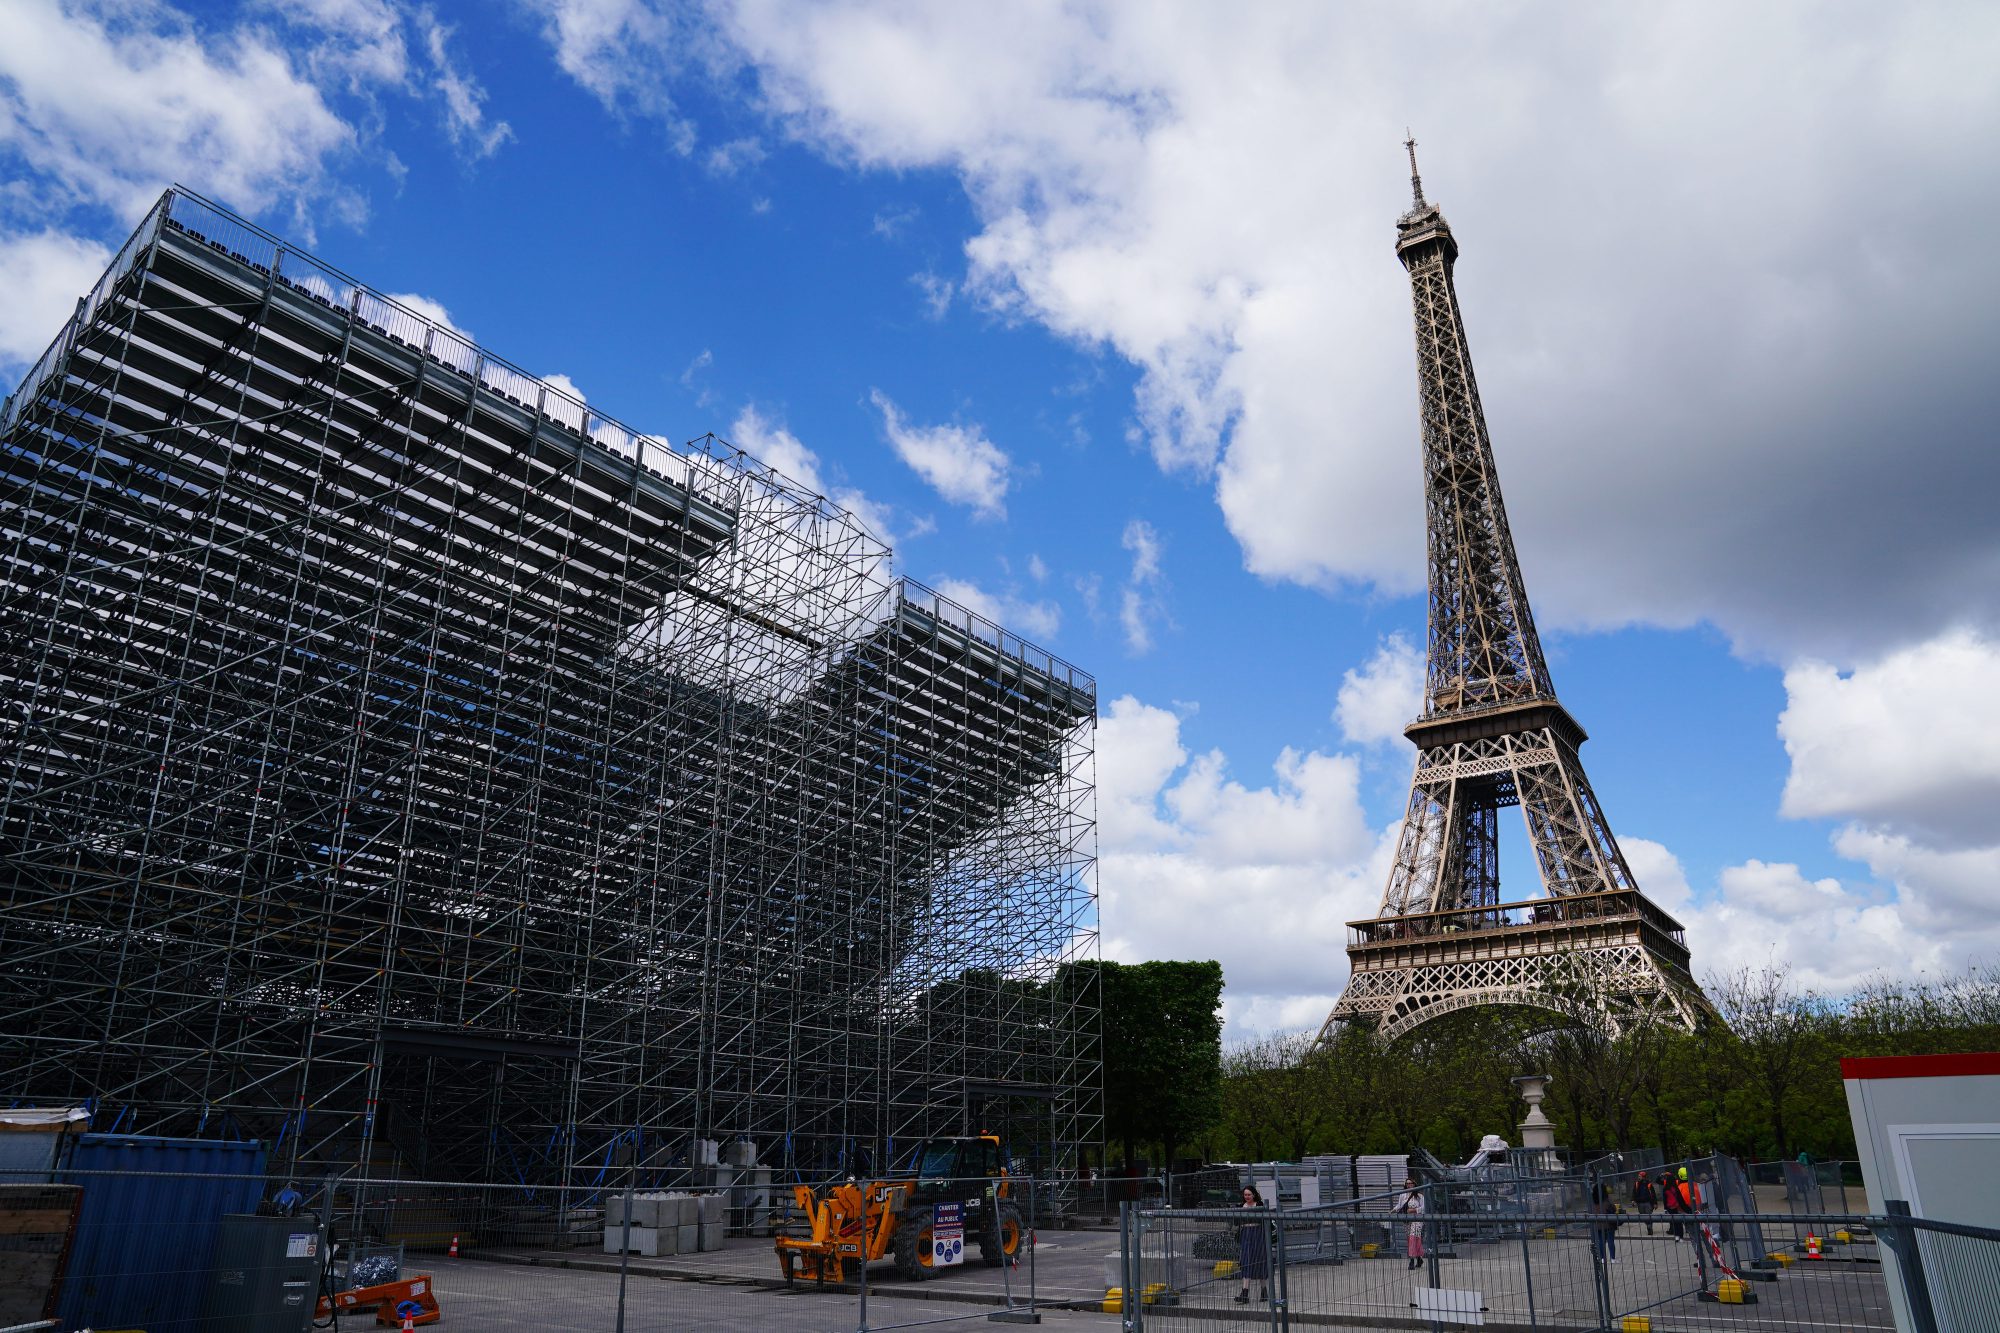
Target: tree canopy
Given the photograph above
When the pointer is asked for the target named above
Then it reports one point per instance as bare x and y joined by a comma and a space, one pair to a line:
1764, 1082
1162, 1029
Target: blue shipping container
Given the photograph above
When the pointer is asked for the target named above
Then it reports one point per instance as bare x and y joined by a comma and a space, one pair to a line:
145, 1241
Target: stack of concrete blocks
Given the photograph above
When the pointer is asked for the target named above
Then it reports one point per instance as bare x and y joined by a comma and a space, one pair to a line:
666, 1224
654, 1230
713, 1220
749, 1190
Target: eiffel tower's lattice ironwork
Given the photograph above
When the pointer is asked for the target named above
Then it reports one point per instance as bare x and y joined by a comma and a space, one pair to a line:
1492, 735
409, 765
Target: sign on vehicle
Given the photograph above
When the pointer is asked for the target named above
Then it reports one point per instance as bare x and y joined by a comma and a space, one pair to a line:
947, 1234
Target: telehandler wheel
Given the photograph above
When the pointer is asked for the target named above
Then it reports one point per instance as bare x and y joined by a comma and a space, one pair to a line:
913, 1248
1011, 1241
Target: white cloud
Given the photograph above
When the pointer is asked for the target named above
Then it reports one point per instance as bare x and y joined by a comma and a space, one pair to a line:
958, 462
1831, 936
937, 292
464, 98
112, 105
624, 53
1901, 750
1383, 695
889, 223
564, 384
433, 311
362, 40
1659, 874
1195, 864
1142, 600
1911, 740
729, 158
1945, 893
1671, 404
1036, 621
774, 446
42, 274
1038, 569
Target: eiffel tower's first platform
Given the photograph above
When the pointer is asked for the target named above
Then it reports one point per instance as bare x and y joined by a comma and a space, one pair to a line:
1493, 735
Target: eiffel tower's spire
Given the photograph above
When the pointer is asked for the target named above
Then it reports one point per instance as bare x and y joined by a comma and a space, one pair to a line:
1493, 735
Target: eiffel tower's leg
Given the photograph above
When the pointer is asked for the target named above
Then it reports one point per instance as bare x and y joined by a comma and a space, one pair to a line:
1573, 844
1478, 845
1420, 851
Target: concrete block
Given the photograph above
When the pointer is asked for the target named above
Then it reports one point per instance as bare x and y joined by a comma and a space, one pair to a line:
688, 1239
713, 1207
637, 1240
648, 1210
711, 1235
740, 1152
680, 1210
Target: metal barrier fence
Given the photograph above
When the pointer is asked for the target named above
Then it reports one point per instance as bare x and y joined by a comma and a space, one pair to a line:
177, 1253
1580, 1272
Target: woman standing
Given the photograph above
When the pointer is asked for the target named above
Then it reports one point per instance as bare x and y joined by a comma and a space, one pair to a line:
1411, 1203
1253, 1252
1604, 1235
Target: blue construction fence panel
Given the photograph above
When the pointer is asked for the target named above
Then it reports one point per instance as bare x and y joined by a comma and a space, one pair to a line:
145, 1240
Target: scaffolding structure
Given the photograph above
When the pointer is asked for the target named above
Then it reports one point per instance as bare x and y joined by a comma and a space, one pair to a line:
409, 765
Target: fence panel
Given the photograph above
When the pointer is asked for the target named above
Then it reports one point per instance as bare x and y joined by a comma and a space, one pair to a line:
188, 1252
1258, 1267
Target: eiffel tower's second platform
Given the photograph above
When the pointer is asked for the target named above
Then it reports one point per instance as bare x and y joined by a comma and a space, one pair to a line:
1604, 958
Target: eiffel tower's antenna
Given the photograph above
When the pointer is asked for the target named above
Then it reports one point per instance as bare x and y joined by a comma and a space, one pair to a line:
1416, 181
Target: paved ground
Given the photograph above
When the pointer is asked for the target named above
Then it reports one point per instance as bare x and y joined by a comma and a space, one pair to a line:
737, 1289
474, 1294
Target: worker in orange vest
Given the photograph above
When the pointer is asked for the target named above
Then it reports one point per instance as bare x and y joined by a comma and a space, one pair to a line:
1687, 1200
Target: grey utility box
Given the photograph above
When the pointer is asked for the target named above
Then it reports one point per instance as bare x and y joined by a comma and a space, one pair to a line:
266, 1275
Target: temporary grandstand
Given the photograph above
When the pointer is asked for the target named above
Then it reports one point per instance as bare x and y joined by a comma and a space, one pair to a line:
415, 768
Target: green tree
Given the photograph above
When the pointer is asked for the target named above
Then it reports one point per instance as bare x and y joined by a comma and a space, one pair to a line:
1780, 1037
1162, 1051
1276, 1095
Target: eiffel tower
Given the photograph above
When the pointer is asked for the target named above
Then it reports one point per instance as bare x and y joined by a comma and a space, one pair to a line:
1493, 734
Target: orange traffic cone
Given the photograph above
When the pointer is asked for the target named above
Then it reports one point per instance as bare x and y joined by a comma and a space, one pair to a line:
1812, 1245
453, 1254
408, 1325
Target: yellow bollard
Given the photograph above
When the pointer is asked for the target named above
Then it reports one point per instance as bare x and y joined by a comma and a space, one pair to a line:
1730, 1291
1114, 1301
1635, 1323
1368, 1251
1843, 1237
1225, 1268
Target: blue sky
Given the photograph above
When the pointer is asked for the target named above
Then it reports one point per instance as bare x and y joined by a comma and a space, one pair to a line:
1094, 309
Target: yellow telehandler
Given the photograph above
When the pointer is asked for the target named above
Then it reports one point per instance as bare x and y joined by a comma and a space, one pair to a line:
955, 1185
